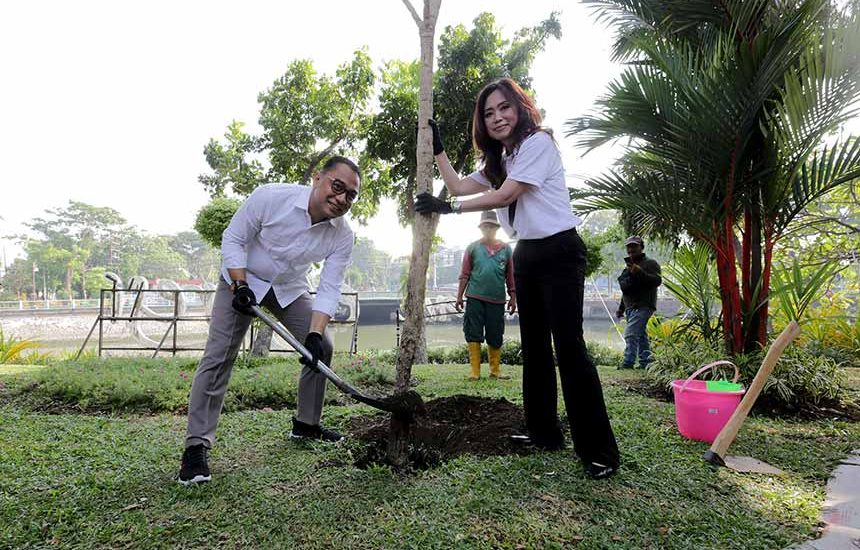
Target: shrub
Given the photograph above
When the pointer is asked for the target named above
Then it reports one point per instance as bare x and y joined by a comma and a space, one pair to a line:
512, 354
802, 378
274, 385
604, 355
366, 369
12, 349
116, 384
829, 330
154, 385
214, 218
459, 355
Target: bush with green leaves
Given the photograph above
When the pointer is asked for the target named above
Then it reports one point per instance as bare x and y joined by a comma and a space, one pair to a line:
153, 385
829, 328
691, 277
602, 354
214, 218
12, 349
366, 369
802, 378
512, 354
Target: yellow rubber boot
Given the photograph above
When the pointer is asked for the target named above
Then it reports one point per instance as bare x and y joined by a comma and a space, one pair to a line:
475, 360
495, 364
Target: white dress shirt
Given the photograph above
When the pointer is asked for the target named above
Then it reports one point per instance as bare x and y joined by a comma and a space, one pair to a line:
272, 238
544, 209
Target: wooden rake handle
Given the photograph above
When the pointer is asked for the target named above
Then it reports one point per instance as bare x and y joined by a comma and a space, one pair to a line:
727, 435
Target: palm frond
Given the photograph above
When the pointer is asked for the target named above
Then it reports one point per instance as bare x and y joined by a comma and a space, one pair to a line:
826, 170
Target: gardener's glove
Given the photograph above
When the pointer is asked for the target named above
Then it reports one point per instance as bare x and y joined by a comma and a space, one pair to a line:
426, 203
314, 345
438, 148
243, 298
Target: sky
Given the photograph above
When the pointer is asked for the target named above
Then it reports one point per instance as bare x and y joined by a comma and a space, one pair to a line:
111, 103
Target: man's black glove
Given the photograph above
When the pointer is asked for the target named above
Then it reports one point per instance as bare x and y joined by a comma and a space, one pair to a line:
438, 148
314, 345
426, 203
243, 298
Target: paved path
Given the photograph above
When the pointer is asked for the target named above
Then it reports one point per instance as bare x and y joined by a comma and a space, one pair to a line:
841, 509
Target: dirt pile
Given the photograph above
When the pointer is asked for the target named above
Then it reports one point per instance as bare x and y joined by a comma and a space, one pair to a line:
453, 426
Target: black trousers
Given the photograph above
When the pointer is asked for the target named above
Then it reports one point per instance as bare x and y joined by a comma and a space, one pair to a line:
550, 278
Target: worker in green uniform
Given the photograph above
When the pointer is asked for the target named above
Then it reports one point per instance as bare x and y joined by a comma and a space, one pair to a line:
487, 268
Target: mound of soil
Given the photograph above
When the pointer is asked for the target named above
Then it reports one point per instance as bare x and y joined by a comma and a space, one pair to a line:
453, 426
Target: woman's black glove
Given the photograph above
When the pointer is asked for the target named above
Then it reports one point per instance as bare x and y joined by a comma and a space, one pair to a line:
426, 203
314, 345
243, 298
438, 148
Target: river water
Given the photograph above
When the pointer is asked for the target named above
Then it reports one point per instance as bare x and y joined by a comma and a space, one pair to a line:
370, 337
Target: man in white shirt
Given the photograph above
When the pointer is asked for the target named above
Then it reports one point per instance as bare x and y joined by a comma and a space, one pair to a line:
267, 251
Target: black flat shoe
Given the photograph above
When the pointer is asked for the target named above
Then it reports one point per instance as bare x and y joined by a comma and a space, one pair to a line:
596, 470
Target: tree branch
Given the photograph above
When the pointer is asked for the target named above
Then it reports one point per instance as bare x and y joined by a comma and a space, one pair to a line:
414, 13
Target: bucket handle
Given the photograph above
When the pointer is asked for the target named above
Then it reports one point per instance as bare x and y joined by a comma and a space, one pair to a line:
711, 365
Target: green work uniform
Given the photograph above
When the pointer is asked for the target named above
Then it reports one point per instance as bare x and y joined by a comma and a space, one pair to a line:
485, 293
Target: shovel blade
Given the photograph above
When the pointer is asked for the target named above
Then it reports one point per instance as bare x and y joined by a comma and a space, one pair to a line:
748, 464
404, 406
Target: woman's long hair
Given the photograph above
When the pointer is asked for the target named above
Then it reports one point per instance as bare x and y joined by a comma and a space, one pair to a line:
528, 122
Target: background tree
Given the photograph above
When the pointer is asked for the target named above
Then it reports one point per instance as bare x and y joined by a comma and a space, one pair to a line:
200, 259
369, 266
765, 82
74, 238
17, 280
828, 230
306, 117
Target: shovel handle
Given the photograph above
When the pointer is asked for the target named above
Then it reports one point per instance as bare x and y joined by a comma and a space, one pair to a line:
730, 430
293, 341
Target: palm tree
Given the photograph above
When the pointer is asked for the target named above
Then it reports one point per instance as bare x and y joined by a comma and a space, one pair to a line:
727, 105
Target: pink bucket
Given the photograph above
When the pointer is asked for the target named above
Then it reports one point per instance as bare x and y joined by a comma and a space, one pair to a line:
700, 413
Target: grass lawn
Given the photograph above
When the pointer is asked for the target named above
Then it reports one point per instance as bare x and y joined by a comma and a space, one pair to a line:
72, 480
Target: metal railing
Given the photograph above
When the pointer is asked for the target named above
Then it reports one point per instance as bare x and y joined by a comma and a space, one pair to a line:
151, 305
29, 305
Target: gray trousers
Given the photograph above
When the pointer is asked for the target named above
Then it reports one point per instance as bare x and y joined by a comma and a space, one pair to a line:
226, 330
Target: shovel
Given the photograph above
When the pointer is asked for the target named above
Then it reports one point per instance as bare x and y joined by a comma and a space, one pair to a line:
716, 455
404, 406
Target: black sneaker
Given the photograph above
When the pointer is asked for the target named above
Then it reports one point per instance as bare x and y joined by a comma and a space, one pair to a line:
308, 431
195, 466
596, 470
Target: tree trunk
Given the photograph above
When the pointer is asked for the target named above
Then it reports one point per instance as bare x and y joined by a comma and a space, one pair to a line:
764, 296
757, 290
262, 341
746, 260
729, 294
412, 339
727, 268
69, 283
84, 283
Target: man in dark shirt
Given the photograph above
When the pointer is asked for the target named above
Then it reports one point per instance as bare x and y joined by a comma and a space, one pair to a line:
639, 282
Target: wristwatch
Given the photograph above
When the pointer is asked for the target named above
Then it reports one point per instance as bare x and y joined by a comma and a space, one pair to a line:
236, 284
456, 207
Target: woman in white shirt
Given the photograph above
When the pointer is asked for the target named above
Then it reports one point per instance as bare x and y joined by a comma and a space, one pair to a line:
523, 179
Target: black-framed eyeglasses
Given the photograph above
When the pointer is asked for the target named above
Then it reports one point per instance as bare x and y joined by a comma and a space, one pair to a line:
338, 187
